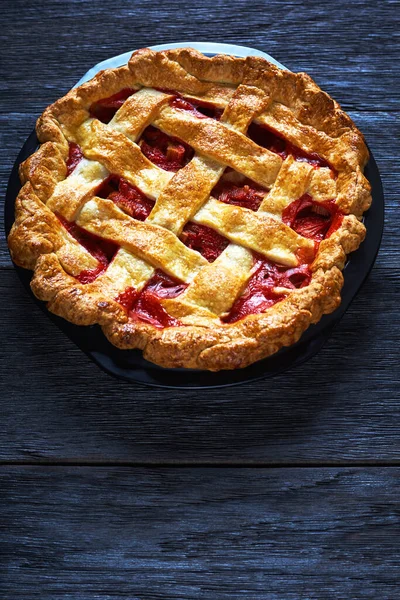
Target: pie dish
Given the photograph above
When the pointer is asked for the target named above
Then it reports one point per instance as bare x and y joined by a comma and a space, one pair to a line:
200, 209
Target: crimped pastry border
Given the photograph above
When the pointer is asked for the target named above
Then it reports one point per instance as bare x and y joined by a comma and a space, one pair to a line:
33, 241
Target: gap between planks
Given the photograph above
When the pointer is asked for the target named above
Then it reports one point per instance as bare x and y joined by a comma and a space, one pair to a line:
217, 464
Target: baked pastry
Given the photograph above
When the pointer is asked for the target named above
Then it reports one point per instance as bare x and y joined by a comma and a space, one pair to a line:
200, 209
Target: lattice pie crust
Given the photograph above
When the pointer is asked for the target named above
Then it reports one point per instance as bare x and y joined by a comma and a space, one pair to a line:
218, 244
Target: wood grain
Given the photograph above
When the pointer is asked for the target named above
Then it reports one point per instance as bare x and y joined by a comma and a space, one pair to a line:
348, 48
225, 534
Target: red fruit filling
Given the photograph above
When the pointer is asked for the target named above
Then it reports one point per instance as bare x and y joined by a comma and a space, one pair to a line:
126, 196
260, 291
75, 156
167, 152
101, 249
204, 239
105, 109
145, 305
248, 194
198, 108
271, 140
311, 219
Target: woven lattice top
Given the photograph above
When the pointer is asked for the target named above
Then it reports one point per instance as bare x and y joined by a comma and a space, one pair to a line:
188, 193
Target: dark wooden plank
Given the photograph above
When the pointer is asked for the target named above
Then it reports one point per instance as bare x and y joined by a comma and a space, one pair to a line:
341, 405
379, 129
106, 533
347, 47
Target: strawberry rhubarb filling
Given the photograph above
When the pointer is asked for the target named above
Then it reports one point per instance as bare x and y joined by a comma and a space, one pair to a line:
75, 156
105, 108
101, 249
311, 219
271, 140
126, 196
167, 152
197, 108
264, 288
145, 306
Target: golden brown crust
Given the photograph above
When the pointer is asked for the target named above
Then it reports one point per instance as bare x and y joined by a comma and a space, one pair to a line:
248, 89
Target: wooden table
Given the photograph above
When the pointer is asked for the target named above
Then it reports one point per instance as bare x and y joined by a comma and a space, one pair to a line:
281, 489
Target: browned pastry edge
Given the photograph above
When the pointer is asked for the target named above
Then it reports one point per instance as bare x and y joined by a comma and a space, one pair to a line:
224, 346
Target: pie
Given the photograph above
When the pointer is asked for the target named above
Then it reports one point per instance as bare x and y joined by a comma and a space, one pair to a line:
199, 209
